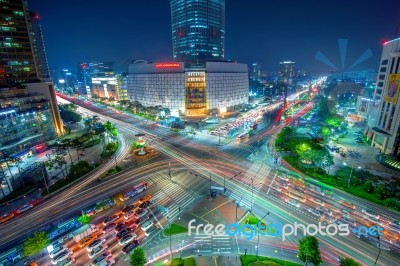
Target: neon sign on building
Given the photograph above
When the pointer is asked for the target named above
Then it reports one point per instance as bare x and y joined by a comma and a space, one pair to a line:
168, 65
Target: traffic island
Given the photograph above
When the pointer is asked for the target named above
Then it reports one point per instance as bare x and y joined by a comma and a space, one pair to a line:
251, 260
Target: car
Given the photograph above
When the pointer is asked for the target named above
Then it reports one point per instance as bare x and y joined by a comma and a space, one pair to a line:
317, 213
347, 219
345, 211
123, 232
373, 220
145, 204
119, 227
299, 189
150, 230
129, 214
126, 239
141, 213
293, 203
132, 223
325, 210
348, 204
67, 261
370, 213
86, 240
317, 201
57, 249
109, 227
7, 216
110, 219
128, 208
97, 250
276, 187
145, 198
95, 244
25, 208
101, 258
283, 177
130, 246
61, 256
146, 225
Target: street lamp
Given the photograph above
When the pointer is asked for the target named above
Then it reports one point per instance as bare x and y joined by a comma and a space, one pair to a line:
258, 233
351, 172
379, 253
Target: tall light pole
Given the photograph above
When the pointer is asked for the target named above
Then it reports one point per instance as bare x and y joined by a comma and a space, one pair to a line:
45, 181
379, 253
210, 187
351, 172
258, 233
252, 187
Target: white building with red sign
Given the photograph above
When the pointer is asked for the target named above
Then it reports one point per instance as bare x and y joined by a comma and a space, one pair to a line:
217, 87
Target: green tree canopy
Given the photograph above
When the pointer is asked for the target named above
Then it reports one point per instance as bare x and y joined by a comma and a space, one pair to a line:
309, 250
70, 116
348, 262
84, 219
35, 243
137, 257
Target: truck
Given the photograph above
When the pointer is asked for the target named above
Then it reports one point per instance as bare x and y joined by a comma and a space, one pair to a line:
84, 231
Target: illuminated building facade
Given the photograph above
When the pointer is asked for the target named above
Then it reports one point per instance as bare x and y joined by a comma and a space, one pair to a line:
384, 121
26, 120
286, 72
216, 88
110, 87
198, 30
18, 62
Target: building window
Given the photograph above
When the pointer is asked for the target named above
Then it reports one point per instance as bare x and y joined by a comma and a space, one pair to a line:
384, 62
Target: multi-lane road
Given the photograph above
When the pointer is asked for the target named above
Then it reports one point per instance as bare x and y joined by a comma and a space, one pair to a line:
252, 188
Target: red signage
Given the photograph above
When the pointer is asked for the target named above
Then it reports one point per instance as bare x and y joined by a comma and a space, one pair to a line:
168, 65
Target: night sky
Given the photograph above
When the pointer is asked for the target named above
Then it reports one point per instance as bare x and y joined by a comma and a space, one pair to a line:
262, 31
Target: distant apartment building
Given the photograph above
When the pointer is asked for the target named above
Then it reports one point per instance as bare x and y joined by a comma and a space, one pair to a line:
384, 120
110, 87
286, 72
216, 88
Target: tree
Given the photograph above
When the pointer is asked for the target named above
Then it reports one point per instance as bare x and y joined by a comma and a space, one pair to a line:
309, 250
84, 219
70, 116
137, 257
117, 199
35, 243
348, 262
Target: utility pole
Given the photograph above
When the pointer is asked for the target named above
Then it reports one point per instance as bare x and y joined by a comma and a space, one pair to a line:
219, 138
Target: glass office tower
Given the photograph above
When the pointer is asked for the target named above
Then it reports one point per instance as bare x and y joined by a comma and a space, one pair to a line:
198, 30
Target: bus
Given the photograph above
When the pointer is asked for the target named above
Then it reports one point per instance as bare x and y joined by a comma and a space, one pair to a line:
98, 206
133, 191
295, 195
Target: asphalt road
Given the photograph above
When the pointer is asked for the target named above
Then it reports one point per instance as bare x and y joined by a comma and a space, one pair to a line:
205, 160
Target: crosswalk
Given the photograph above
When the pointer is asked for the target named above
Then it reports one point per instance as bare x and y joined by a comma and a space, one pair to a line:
214, 244
254, 178
171, 196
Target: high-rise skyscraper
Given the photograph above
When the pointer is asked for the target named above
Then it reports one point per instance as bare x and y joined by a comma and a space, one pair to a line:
198, 30
286, 72
38, 46
384, 120
17, 60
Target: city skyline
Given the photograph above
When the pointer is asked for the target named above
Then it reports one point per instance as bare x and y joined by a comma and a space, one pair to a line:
260, 35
